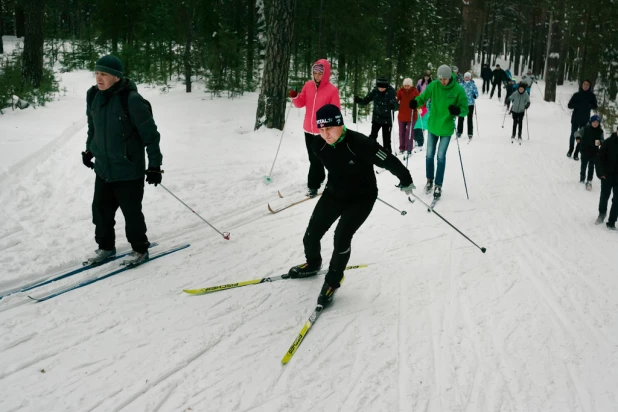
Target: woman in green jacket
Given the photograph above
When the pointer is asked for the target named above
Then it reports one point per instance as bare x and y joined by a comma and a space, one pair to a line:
448, 100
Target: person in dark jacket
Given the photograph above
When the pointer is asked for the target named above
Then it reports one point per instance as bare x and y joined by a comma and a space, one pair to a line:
384, 100
120, 126
607, 171
486, 74
498, 77
582, 102
350, 193
591, 137
511, 87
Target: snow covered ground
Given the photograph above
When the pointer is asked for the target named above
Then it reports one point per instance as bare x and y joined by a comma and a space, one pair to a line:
431, 325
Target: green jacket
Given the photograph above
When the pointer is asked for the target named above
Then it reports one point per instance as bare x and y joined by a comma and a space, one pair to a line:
118, 142
441, 122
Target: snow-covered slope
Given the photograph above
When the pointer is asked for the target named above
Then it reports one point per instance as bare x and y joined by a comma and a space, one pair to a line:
431, 325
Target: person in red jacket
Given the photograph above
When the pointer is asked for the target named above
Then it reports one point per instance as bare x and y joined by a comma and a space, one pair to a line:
316, 93
404, 95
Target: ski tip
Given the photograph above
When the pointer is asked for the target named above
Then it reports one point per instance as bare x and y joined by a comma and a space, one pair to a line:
279, 193
34, 299
270, 209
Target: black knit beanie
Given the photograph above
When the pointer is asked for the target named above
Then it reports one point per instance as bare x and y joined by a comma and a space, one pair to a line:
328, 115
109, 64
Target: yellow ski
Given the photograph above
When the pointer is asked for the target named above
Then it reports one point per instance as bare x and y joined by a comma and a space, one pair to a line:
314, 316
212, 289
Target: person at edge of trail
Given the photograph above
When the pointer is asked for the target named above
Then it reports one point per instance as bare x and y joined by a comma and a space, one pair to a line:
384, 101
521, 102
582, 102
460, 78
511, 87
472, 93
350, 193
498, 77
117, 143
448, 99
424, 81
486, 75
315, 93
404, 117
607, 171
421, 125
591, 137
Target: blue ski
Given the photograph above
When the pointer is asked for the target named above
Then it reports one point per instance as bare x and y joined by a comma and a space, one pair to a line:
72, 272
112, 273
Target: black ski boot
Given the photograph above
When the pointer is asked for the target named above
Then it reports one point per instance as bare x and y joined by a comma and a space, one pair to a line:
611, 226
326, 295
600, 219
305, 270
428, 186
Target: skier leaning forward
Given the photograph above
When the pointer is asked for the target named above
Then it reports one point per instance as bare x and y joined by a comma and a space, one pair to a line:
349, 196
448, 99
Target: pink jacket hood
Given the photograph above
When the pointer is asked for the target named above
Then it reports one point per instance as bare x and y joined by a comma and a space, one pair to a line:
313, 97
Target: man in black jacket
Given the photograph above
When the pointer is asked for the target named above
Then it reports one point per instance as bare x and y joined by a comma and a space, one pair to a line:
486, 74
120, 126
581, 102
498, 77
350, 193
384, 100
607, 171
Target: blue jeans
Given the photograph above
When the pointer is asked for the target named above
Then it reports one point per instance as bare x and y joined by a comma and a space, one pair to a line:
432, 142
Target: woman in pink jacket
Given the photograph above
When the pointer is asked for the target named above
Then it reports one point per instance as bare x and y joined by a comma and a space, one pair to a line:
315, 94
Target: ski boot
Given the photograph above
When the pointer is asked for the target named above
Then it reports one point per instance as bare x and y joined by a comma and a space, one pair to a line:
589, 185
304, 271
569, 153
100, 257
600, 219
428, 186
576, 157
437, 192
458, 135
611, 226
326, 295
135, 258
470, 137
512, 138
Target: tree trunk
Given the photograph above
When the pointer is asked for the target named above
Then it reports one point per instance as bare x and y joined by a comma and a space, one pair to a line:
355, 106
33, 42
549, 41
553, 58
250, 43
465, 51
271, 103
1, 25
187, 58
20, 20
564, 50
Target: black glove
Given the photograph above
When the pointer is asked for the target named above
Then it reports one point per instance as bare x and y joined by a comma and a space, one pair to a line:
154, 175
413, 104
527, 105
454, 110
87, 159
357, 99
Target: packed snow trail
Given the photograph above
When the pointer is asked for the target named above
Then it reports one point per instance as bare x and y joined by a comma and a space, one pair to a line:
432, 325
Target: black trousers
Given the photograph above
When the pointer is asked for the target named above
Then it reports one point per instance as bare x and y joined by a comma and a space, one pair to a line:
128, 196
606, 191
460, 121
486, 85
351, 214
419, 138
316, 168
587, 163
518, 120
493, 88
386, 135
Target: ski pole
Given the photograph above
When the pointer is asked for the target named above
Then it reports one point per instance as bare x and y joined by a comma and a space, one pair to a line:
462, 169
268, 179
226, 235
527, 125
403, 212
476, 114
438, 214
504, 119
539, 87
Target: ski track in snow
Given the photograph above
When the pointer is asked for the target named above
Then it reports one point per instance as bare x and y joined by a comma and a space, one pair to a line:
431, 325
